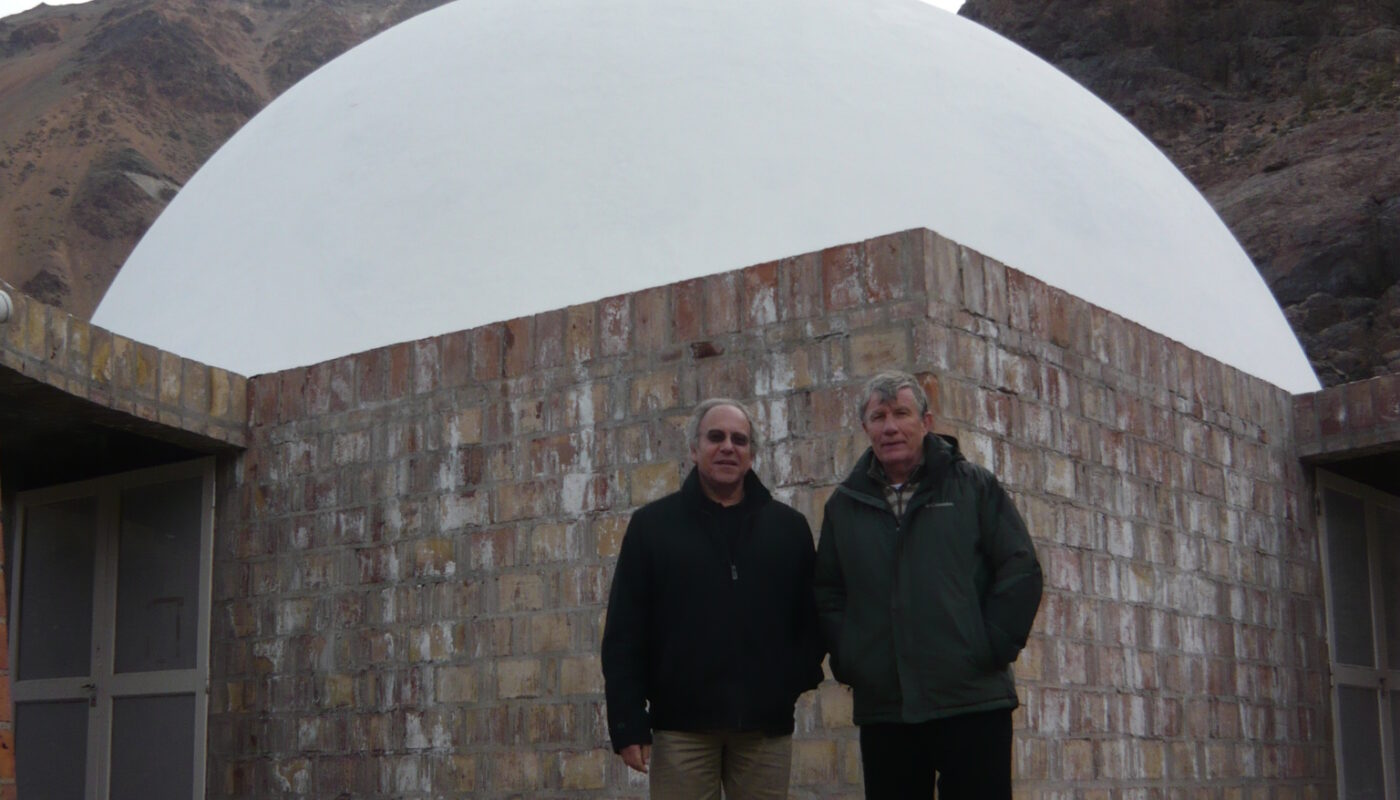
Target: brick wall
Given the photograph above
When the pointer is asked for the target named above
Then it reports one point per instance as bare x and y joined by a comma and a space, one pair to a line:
414, 552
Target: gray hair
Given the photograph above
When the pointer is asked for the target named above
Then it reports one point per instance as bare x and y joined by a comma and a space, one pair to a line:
706, 406
886, 386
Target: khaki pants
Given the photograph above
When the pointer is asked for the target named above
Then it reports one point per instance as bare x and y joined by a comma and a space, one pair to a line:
693, 766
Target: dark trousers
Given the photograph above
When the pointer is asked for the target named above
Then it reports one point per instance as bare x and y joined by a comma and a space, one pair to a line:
971, 755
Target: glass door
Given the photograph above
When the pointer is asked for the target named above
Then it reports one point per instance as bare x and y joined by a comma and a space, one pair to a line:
1361, 557
111, 605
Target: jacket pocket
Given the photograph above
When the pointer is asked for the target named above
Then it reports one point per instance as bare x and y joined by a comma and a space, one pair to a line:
867, 662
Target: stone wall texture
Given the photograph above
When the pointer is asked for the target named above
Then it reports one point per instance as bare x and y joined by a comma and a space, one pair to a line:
1352, 419
414, 552
147, 390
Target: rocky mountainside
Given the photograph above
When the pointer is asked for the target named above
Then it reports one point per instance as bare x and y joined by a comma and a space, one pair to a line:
108, 107
1284, 113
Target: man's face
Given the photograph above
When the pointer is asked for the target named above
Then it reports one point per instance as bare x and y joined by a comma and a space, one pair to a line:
724, 451
896, 429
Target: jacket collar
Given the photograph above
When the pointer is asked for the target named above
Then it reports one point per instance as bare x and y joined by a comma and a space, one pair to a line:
755, 493
939, 452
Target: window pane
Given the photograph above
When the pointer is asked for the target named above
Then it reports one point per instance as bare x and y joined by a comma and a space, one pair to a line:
55, 621
1350, 579
1389, 519
153, 748
1359, 710
51, 749
158, 576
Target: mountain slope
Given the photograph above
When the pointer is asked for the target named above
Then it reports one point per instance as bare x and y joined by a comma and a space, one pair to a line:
1283, 112
108, 107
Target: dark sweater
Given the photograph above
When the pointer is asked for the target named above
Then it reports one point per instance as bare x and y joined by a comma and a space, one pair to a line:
711, 623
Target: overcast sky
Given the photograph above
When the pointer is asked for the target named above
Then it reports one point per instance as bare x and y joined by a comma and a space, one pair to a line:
8, 7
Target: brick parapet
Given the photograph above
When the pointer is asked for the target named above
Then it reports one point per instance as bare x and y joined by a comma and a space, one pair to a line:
1354, 419
151, 389
414, 558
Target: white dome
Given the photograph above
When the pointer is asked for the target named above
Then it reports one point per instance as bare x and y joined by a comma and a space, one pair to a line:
492, 159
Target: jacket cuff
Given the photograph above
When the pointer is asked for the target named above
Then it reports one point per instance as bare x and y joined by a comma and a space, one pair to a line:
625, 739
1004, 648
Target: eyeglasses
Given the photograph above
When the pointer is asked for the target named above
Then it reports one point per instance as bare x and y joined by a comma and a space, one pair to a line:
716, 436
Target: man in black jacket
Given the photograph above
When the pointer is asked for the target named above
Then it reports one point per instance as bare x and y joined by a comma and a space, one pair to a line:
711, 632
927, 584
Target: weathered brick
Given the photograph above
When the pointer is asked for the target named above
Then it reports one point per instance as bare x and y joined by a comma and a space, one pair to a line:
293, 775
608, 533
551, 543
436, 642
171, 376
337, 691
550, 633
800, 294
655, 391
584, 770
580, 675
521, 592
688, 311
760, 293
456, 684
516, 501
195, 387
842, 268
398, 371
722, 302
1386, 397
454, 773
653, 481
371, 376
1059, 475
433, 558
488, 352
614, 326
549, 338
454, 358
942, 273
519, 348
518, 677
145, 362
873, 351
650, 319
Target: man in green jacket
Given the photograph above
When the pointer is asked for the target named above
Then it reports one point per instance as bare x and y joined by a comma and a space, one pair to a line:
927, 584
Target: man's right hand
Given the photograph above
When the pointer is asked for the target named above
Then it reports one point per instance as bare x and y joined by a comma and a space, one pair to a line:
636, 756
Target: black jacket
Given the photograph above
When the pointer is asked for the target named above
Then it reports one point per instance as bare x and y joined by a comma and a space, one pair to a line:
704, 637
924, 614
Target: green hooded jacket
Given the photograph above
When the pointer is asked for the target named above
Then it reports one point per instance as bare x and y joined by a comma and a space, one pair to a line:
923, 615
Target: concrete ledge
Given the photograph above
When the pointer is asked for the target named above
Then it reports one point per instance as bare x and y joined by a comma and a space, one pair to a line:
1355, 419
151, 392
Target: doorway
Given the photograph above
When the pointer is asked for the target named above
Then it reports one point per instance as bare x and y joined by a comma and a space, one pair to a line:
1361, 558
109, 637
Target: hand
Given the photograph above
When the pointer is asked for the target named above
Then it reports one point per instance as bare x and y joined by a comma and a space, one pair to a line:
636, 756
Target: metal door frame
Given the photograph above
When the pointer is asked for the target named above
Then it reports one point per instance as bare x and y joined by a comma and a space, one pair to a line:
1385, 676
106, 684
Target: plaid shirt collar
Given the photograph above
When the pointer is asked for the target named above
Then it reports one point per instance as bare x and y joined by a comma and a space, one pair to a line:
897, 496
